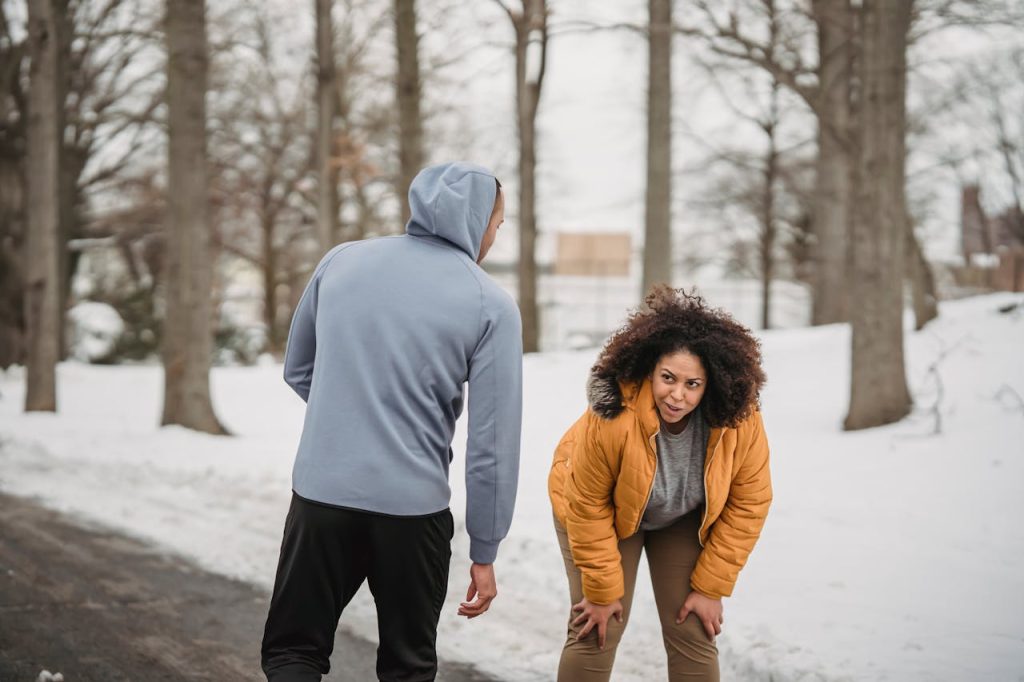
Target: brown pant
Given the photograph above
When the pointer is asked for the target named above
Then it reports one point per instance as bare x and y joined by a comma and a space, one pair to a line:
672, 554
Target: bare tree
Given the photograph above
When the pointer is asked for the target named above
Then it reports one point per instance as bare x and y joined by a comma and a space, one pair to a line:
116, 85
757, 180
769, 227
46, 21
187, 337
407, 83
878, 385
988, 92
770, 125
261, 157
835, 102
836, 166
359, 161
530, 24
327, 102
13, 106
765, 188
658, 196
1009, 141
827, 90
365, 140
109, 123
922, 282
106, 110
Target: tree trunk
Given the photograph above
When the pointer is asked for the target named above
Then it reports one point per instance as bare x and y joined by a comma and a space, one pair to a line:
922, 281
530, 26
769, 229
187, 337
12, 290
410, 122
878, 385
834, 191
72, 164
12, 200
326, 94
658, 204
42, 276
275, 343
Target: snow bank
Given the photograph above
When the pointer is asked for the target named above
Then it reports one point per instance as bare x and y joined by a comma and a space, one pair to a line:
889, 554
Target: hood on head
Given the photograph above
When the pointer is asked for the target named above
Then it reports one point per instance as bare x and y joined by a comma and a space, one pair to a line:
453, 201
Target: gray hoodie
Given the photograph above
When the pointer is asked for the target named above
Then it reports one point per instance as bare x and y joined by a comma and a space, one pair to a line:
384, 338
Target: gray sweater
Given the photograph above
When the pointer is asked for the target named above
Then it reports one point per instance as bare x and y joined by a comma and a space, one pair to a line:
385, 336
679, 480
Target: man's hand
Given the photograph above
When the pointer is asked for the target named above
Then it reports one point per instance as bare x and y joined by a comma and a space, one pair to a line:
708, 610
483, 587
596, 615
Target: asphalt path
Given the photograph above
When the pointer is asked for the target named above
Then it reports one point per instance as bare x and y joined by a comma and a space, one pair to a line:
98, 606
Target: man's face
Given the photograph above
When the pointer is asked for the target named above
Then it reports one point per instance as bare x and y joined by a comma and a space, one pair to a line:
497, 218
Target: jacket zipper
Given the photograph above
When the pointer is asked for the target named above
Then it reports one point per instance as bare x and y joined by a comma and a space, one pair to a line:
707, 465
650, 490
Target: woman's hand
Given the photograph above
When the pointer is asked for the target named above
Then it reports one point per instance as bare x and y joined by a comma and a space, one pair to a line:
596, 615
708, 610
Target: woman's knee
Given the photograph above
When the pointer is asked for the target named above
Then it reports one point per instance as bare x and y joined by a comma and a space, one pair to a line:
613, 635
583, 660
688, 647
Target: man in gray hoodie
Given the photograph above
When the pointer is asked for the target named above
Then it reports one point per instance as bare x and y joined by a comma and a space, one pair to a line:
382, 342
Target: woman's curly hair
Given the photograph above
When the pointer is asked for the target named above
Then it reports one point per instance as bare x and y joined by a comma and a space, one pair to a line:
673, 320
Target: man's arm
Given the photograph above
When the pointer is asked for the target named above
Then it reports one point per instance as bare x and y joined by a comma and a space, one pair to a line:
300, 351
495, 419
301, 348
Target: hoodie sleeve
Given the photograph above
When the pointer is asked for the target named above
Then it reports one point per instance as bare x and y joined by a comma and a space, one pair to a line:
300, 352
495, 419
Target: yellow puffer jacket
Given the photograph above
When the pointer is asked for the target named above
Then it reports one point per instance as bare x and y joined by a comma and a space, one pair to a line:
602, 475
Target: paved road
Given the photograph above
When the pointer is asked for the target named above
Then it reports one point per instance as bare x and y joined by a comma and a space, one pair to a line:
97, 606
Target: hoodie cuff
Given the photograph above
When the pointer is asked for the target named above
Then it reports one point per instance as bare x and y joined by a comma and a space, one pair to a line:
483, 551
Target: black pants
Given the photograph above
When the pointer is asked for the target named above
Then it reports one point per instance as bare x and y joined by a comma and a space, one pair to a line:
326, 554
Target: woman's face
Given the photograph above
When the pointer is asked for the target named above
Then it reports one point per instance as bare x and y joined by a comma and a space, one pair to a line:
678, 384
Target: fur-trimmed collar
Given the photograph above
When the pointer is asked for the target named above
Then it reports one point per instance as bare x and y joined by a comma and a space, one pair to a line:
605, 396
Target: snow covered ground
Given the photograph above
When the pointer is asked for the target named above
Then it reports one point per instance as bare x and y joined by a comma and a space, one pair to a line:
889, 554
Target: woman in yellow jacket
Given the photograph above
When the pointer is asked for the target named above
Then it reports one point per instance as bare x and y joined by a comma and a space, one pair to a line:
670, 459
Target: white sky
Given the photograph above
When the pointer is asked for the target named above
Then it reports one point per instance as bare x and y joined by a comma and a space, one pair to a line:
592, 134
591, 129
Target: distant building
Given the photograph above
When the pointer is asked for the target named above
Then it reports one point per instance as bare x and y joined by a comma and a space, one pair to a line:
993, 248
589, 282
